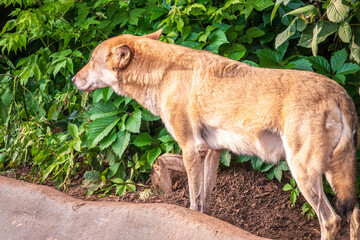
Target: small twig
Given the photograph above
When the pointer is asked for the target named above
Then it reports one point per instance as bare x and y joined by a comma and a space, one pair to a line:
9, 75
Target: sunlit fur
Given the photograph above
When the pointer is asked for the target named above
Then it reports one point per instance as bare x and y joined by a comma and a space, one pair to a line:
209, 103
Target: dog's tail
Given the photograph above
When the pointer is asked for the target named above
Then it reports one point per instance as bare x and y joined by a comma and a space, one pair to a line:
343, 160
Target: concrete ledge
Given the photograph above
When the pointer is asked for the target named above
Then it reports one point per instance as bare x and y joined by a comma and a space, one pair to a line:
29, 211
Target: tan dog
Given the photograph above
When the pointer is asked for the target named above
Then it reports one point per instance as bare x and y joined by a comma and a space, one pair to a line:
209, 103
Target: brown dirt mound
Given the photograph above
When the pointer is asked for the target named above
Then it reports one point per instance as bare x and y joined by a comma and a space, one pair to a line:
242, 197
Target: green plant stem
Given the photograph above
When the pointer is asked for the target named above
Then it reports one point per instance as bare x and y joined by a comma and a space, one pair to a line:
24, 102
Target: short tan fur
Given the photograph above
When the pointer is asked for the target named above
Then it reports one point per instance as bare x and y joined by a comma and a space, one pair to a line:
209, 103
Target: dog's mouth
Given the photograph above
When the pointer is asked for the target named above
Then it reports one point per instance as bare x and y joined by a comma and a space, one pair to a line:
87, 87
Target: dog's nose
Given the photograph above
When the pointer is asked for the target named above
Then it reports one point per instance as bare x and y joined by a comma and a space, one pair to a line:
73, 79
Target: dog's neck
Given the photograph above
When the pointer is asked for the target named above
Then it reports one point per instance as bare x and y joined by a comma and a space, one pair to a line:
141, 81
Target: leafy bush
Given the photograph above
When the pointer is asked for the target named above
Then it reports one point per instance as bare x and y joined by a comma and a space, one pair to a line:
47, 123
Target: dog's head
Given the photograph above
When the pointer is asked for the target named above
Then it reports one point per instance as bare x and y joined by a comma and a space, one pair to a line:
108, 58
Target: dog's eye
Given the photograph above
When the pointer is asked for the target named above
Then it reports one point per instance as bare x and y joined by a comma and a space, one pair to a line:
91, 59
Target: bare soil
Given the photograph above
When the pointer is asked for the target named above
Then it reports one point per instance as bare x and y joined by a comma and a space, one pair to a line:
242, 197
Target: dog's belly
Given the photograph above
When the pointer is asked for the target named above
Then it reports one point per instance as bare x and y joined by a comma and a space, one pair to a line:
266, 144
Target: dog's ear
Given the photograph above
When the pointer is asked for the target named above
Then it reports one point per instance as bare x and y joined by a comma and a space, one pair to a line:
155, 35
122, 55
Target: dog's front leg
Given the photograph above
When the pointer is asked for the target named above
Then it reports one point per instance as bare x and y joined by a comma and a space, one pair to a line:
194, 156
210, 166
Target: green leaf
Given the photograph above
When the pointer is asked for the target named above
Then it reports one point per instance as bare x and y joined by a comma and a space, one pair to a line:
314, 45
225, 158
153, 154
83, 10
113, 170
100, 128
292, 182
59, 66
277, 5
345, 32
321, 64
107, 93
283, 166
278, 173
157, 12
302, 64
337, 11
286, 34
269, 58
92, 176
37, 72
103, 110
237, 55
185, 32
77, 144
73, 130
133, 123
121, 143
300, 25
121, 18
348, 68
270, 175
217, 38
306, 10
135, 14
326, 29
256, 163
254, 32
355, 46
130, 185
7, 97
104, 115
195, 9
242, 158
2, 158
98, 95
108, 140
287, 187
143, 139
266, 167
340, 78
148, 116
166, 138
47, 171
293, 197
259, 5
338, 59
179, 24
78, 54
118, 181
121, 189
355, 54
8, 26
247, 11
67, 4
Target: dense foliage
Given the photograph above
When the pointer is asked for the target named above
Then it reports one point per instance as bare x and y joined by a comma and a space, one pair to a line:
46, 122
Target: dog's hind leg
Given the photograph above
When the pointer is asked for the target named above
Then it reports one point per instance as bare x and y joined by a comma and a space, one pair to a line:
307, 164
210, 166
309, 180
